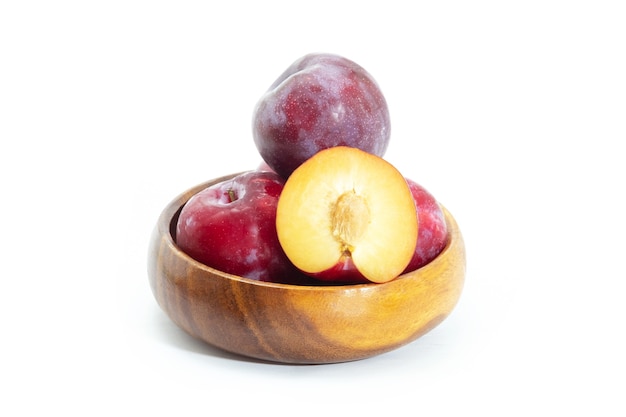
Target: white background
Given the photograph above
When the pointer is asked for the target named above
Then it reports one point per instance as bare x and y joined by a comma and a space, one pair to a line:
513, 114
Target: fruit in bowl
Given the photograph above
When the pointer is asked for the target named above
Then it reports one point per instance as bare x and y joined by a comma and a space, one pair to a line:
320, 101
433, 232
303, 324
347, 216
230, 226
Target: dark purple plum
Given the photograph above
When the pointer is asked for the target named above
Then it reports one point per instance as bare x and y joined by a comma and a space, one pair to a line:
320, 101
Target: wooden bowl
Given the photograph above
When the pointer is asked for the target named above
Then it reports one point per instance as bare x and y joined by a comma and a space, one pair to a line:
300, 324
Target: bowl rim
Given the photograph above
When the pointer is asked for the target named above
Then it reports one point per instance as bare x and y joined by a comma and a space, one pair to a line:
167, 227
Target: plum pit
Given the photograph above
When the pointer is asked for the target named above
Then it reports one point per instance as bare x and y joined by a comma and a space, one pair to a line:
350, 217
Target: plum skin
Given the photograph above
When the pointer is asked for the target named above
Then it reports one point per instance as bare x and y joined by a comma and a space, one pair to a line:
432, 234
230, 226
320, 101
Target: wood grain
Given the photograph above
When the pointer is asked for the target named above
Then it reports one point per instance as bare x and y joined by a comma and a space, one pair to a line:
300, 324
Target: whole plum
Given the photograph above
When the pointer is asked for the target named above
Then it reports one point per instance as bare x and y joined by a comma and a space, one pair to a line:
320, 101
231, 226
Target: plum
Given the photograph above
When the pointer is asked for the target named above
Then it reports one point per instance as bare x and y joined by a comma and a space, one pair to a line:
231, 226
347, 216
432, 237
320, 101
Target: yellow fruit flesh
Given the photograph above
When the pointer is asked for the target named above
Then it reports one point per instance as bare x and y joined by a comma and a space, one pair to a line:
344, 201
